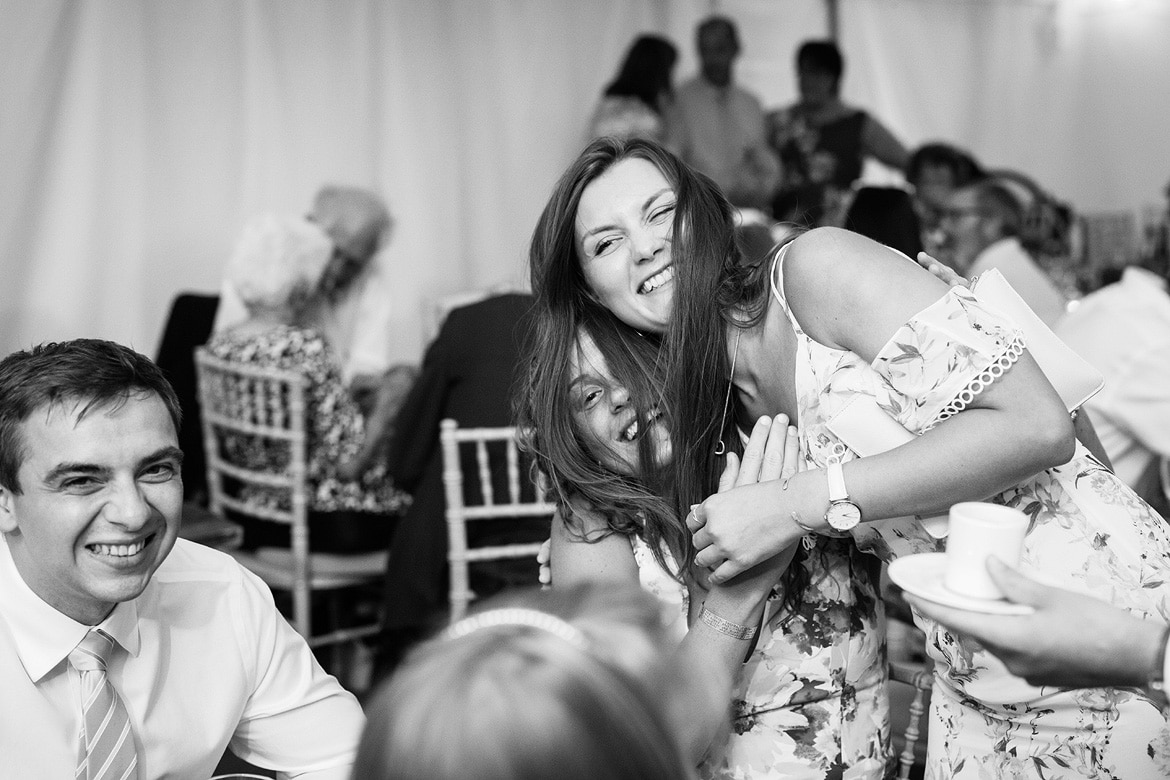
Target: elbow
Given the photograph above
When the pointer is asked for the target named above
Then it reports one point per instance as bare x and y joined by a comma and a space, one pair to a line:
1055, 440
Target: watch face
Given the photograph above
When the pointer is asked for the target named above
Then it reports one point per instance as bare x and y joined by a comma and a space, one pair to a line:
843, 515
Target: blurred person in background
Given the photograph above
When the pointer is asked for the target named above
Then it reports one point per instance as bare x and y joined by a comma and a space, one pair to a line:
718, 127
823, 142
634, 102
980, 226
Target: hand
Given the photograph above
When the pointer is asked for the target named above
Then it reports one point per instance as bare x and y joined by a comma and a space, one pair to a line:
771, 454
943, 272
543, 556
1071, 640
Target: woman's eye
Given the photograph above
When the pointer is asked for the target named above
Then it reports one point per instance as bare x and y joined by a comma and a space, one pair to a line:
591, 397
603, 246
660, 214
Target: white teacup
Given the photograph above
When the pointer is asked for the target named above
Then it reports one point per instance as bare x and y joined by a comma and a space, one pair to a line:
977, 531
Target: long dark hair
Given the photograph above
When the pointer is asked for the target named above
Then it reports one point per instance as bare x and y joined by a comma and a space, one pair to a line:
646, 71
565, 307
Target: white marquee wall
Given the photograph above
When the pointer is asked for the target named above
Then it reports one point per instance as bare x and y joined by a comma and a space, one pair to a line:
136, 136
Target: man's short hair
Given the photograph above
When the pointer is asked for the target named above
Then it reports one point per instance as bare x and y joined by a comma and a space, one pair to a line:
712, 23
90, 372
995, 201
963, 167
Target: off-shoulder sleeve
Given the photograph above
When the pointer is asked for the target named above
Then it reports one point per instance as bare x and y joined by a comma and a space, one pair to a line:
946, 355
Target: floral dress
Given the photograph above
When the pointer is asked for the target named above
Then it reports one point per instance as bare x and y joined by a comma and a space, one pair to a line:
1088, 533
810, 702
334, 427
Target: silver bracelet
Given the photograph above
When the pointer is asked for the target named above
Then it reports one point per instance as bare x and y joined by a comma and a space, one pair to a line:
733, 630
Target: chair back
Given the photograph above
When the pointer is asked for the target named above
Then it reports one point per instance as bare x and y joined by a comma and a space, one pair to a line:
919, 676
262, 411
495, 453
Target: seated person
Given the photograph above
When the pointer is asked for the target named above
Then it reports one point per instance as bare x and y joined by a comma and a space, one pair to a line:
468, 374
887, 215
934, 171
572, 683
276, 268
181, 649
352, 311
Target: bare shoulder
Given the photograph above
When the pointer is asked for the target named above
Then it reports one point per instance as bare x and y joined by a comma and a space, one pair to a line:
841, 284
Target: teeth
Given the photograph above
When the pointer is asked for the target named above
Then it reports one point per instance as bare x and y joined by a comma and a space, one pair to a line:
631, 432
657, 280
118, 550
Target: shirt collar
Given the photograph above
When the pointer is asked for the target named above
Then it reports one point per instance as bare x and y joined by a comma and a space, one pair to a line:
1136, 275
44, 636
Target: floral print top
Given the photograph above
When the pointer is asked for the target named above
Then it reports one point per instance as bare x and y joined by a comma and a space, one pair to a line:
810, 701
1088, 533
334, 426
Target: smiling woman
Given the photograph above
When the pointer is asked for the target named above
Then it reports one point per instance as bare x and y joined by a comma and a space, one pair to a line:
810, 696
625, 221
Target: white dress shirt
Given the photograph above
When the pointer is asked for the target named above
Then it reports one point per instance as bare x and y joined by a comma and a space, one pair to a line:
717, 130
1123, 329
1025, 276
204, 661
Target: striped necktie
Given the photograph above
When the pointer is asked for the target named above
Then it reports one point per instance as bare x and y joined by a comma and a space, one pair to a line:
107, 743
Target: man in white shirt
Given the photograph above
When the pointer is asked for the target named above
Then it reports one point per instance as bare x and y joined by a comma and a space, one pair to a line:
1123, 329
717, 127
980, 224
199, 658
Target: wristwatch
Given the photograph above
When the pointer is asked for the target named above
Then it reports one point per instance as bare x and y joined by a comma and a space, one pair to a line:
842, 514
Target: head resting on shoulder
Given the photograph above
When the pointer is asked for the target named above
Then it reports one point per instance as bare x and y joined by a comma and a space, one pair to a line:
277, 263
89, 373
359, 225
568, 683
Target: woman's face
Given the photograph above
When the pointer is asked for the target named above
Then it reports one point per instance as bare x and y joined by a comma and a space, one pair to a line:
605, 417
623, 234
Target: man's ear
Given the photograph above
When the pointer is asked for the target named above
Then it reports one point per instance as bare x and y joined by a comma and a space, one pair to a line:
8, 522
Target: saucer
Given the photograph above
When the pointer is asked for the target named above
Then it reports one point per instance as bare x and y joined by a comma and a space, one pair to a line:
922, 576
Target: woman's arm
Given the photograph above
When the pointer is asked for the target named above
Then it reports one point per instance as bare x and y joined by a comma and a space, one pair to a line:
711, 656
851, 293
1071, 640
880, 143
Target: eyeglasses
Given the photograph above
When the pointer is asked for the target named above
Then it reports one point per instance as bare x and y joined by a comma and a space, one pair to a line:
958, 213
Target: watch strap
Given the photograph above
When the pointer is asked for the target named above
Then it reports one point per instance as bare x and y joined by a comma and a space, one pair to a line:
836, 475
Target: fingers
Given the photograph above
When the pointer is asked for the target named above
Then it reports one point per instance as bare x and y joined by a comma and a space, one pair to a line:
943, 272
543, 555
725, 571
1015, 586
695, 518
753, 453
791, 463
709, 558
775, 449
730, 473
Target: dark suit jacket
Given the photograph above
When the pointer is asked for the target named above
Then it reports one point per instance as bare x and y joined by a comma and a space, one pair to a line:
468, 374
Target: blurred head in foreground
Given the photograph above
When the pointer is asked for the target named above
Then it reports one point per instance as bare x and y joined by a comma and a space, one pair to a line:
571, 683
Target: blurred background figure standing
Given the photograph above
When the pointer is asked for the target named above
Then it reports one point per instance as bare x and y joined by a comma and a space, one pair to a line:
822, 142
633, 104
718, 127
